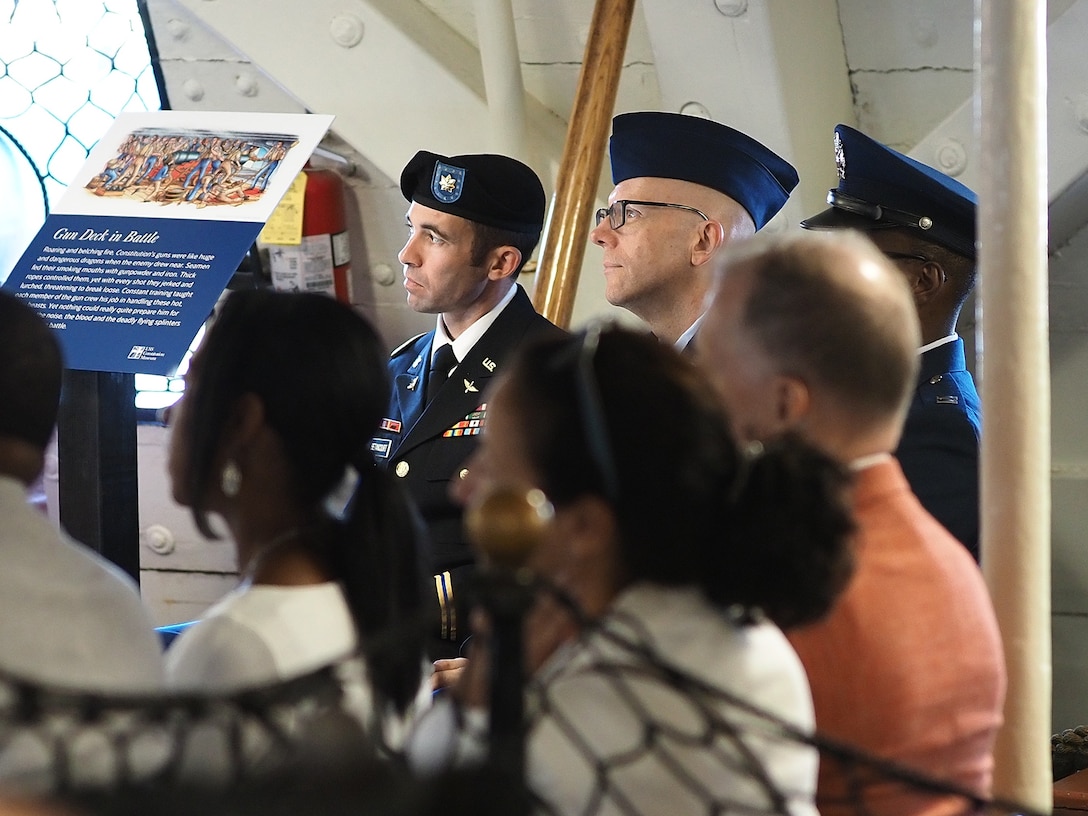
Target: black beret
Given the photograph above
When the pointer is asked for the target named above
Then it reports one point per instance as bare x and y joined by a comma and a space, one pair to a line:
494, 190
881, 188
689, 148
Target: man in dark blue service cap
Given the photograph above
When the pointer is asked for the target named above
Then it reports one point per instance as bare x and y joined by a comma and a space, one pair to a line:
925, 222
472, 222
684, 188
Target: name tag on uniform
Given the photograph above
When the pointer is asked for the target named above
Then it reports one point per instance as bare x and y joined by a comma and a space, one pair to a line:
381, 447
948, 400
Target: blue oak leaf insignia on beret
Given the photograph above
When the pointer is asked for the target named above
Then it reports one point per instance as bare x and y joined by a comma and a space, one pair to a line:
448, 182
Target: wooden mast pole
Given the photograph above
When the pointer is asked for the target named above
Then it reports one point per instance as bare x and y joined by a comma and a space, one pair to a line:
571, 209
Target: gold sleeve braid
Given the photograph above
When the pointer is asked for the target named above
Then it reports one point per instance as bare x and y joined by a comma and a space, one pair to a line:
443, 584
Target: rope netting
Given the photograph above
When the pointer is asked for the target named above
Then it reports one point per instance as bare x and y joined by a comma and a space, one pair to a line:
626, 733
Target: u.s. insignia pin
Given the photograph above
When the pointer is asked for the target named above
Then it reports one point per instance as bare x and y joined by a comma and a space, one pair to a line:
448, 182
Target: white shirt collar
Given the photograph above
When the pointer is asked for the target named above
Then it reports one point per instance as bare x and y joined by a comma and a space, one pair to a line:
685, 338
463, 344
937, 343
867, 461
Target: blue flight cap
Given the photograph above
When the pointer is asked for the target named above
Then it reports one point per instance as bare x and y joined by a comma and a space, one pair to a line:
484, 187
880, 188
689, 148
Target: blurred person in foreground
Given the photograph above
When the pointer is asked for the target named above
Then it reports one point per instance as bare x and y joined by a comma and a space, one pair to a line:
817, 334
670, 558
281, 400
69, 619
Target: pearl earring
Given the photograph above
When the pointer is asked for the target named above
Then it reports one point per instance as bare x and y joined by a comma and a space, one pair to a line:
230, 480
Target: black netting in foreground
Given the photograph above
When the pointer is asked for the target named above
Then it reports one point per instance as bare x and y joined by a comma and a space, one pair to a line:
56, 741
639, 738
624, 733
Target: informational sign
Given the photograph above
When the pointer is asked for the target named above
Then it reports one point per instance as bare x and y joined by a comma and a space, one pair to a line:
131, 262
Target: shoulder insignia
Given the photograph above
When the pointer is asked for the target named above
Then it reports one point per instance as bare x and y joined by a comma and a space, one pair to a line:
400, 349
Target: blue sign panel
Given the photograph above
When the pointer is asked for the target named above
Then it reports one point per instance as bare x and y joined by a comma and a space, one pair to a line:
128, 294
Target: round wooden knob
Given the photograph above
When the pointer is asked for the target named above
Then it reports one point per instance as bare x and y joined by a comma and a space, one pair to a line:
508, 524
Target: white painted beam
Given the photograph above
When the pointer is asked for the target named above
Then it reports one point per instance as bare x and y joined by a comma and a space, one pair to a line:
723, 59
953, 146
409, 80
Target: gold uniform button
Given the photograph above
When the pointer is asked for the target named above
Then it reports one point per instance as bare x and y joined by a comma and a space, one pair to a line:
463, 473
402, 469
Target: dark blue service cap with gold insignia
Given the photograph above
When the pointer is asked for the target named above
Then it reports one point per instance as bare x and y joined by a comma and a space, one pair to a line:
880, 188
702, 151
494, 190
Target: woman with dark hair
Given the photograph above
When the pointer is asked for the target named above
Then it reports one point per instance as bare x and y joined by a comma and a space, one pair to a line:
660, 683
281, 401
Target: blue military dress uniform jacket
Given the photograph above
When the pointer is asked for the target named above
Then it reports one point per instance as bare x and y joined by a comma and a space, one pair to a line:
939, 447
427, 446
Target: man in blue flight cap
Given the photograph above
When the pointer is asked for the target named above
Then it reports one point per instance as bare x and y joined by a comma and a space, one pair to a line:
473, 222
685, 187
925, 222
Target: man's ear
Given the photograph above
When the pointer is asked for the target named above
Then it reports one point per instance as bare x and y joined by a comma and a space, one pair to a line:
928, 282
503, 261
710, 236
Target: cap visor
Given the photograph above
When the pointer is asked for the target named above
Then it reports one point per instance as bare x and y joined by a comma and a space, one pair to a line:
835, 218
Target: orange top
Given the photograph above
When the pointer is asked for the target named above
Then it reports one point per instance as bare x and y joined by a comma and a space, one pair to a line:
908, 665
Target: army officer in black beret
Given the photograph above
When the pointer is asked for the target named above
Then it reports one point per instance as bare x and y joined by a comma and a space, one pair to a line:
472, 222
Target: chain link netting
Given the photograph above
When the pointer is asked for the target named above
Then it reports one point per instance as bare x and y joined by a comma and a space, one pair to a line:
69, 68
59, 741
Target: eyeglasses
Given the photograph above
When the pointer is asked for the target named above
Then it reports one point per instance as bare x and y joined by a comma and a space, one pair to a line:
906, 256
617, 213
589, 401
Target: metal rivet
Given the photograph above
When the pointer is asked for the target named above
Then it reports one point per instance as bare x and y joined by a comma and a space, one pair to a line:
732, 8
246, 84
159, 539
179, 29
925, 32
950, 156
697, 109
925, 222
346, 30
402, 469
383, 274
193, 89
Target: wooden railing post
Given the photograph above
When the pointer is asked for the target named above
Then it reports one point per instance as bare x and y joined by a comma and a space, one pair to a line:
567, 229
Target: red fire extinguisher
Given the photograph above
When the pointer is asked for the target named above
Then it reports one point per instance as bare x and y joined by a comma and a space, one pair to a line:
323, 218
321, 260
